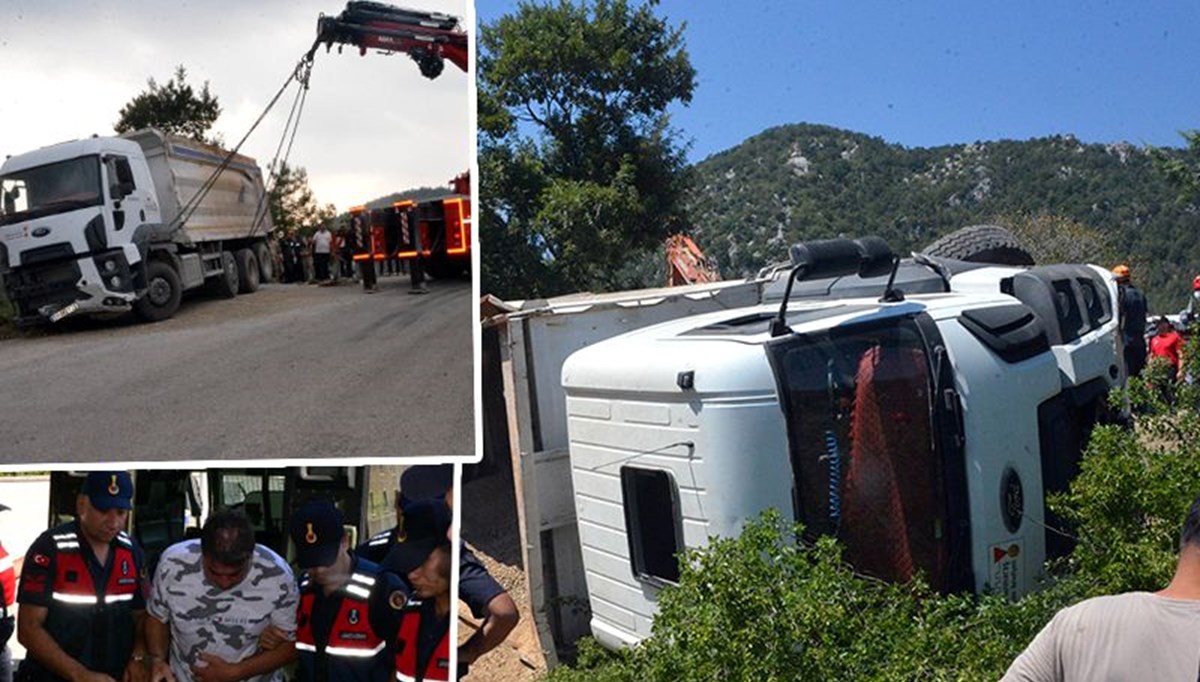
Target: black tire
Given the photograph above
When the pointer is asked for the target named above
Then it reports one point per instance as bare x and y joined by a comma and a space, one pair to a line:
266, 263
981, 244
163, 293
226, 284
247, 267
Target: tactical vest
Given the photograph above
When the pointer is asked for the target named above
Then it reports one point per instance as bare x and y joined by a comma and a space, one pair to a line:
353, 651
437, 669
91, 623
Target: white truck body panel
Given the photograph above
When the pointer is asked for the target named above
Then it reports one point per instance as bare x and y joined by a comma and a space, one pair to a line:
725, 445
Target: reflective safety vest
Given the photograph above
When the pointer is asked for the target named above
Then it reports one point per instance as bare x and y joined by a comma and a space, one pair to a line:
93, 623
437, 668
8, 582
353, 650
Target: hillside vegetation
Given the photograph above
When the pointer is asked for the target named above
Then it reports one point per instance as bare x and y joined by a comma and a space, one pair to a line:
802, 181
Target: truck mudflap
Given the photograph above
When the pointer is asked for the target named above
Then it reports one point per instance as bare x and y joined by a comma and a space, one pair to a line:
49, 292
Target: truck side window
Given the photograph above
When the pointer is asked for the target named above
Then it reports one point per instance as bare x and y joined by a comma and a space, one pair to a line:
120, 177
124, 172
653, 523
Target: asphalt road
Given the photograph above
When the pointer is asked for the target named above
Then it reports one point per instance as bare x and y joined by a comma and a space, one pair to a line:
291, 371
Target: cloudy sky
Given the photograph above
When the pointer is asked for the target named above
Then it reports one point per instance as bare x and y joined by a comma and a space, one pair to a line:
371, 124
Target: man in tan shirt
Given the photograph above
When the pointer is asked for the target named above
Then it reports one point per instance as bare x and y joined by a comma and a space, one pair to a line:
1133, 636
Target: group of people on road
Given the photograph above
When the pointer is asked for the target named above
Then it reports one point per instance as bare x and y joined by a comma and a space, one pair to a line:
222, 607
329, 256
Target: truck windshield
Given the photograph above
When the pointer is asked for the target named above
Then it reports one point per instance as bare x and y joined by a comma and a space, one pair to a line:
857, 404
49, 189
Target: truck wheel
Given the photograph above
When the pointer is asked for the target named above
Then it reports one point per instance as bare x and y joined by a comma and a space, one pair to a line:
247, 267
163, 293
266, 264
227, 283
981, 244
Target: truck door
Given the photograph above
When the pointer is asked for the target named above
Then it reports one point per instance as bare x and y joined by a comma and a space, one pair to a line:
124, 196
866, 444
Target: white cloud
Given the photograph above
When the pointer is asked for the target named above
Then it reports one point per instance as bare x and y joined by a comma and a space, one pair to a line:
371, 124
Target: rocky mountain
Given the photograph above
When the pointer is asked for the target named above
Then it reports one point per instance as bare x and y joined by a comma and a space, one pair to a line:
802, 181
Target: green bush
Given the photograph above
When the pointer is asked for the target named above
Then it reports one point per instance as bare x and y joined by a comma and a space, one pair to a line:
767, 606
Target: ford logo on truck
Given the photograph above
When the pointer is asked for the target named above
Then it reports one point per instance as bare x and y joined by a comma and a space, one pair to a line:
41, 231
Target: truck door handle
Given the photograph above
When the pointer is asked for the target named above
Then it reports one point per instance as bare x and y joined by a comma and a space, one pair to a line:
142, 215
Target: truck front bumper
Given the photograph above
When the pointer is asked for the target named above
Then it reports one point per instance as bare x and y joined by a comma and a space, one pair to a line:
105, 282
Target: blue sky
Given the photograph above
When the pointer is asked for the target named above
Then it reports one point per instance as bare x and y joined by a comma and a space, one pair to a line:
925, 73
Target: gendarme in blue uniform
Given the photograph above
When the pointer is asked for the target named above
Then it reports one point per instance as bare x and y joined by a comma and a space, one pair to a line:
343, 637
476, 586
89, 606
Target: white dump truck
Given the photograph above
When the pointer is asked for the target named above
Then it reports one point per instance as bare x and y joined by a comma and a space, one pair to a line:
106, 225
920, 414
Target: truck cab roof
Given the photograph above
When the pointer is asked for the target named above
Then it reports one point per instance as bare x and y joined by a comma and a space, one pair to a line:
69, 150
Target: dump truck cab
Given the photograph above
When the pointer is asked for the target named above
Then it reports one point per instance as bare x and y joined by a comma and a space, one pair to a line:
67, 217
923, 431
107, 225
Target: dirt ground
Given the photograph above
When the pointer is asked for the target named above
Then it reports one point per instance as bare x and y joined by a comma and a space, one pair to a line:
489, 526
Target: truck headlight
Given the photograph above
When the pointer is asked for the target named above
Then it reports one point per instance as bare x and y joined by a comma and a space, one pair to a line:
110, 265
114, 281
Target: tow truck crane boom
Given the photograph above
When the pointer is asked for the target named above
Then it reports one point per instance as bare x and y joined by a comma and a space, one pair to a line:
429, 38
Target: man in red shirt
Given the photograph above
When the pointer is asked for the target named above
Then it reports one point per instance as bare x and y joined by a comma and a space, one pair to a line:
1167, 343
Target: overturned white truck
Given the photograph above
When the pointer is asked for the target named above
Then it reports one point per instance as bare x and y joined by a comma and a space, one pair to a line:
106, 225
921, 416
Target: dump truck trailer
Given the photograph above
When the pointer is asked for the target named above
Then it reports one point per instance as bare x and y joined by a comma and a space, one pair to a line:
107, 225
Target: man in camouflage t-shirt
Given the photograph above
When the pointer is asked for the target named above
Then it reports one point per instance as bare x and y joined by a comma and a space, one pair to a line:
212, 598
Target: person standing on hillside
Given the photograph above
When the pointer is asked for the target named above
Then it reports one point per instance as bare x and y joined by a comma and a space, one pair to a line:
1131, 636
1168, 344
1133, 321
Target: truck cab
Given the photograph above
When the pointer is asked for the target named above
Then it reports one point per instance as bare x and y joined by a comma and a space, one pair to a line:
924, 432
68, 214
107, 225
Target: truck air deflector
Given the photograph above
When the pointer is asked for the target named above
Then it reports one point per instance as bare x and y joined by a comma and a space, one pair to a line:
1013, 332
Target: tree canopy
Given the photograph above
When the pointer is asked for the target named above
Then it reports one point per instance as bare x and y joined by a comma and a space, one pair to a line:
1182, 170
293, 205
581, 172
174, 107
